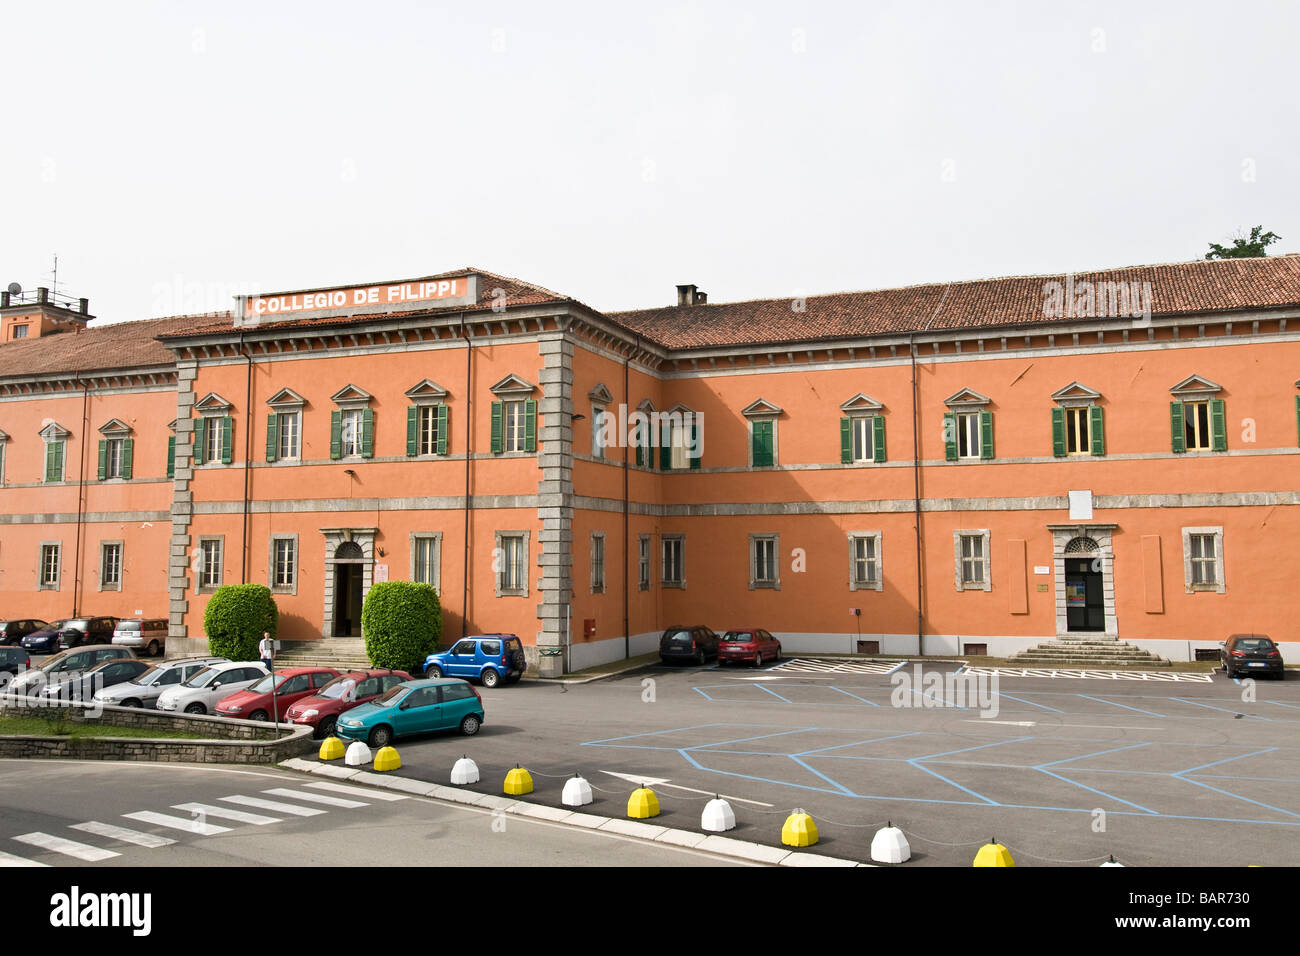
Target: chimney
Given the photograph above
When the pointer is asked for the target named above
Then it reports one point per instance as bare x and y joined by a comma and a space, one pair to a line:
701, 298
685, 295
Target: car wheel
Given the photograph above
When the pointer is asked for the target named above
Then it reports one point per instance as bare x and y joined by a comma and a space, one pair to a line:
196, 709
778, 653
470, 725
258, 715
131, 702
381, 736
152, 650
491, 678
758, 659
433, 670
328, 726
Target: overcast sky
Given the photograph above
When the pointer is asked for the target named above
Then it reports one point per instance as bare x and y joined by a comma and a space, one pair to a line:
176, 154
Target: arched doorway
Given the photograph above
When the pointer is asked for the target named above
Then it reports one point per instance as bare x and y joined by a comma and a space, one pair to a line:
1085, 603
349, 562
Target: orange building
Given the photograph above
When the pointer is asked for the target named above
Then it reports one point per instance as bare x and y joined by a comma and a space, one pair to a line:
944, 469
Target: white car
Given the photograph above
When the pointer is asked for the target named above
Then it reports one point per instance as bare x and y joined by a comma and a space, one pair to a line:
145, 690
200, 694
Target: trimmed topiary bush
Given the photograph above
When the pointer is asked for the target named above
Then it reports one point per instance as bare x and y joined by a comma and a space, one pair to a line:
235, 618
401, 622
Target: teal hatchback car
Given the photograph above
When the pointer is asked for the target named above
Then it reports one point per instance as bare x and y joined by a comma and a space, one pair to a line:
414, 707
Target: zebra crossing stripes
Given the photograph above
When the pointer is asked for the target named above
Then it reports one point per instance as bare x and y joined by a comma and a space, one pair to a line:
355, 791
1087, 674
291, 808
8, 859
188, 824
80, 851
122, 834
203, 810
314, 798
812, 665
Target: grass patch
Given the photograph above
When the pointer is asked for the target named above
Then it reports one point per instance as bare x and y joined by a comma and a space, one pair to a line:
54, 727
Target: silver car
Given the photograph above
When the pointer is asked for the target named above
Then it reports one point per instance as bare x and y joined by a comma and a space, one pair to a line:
200, 693
147, 636
145, 690
78, 659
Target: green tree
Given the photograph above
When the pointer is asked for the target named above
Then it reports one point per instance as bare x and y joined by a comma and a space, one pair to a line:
401, 622
235, 618
1244, 247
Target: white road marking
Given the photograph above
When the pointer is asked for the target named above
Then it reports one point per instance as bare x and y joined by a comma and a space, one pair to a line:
663, 782
189, 825
803, 665
239, 816
1087, 674
8, 859
79, 851
356, 791
1009, 723
314, 797
272, 805
136, 837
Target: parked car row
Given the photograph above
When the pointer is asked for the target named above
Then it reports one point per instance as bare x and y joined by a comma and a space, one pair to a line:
700, 644
147, 635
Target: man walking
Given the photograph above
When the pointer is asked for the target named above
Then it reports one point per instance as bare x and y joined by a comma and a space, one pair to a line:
266, 650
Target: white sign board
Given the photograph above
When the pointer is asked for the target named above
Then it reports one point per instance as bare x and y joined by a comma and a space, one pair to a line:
1081, 506
381, 572
1042, 569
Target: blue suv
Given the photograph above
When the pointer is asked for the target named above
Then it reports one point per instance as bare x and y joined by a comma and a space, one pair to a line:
490, 658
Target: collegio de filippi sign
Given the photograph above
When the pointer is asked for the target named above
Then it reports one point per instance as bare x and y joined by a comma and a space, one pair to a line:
406, 296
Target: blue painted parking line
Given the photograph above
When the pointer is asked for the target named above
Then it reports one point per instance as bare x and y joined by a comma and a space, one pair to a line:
1103, 700
1215, 763
855, 696
1103, 793
1031, 703
1235, 713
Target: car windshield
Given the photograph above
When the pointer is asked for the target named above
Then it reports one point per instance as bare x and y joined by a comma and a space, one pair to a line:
203, 678
80, 624
56, 660
679, 634
393, 695
150, 676
340, 688
732, 637
264, 685
1255, 644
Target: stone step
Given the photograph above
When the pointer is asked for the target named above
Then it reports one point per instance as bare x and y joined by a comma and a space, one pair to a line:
1084, 663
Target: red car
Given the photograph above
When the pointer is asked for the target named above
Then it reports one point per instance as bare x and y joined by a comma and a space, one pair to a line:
291, 685
346, 691
751, 644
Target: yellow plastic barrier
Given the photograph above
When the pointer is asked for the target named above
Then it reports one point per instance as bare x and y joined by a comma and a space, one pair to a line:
331, 748
643, 804
387, 759
993, 854
518, 782
799, 830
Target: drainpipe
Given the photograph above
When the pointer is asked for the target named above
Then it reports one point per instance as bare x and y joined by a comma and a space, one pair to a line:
469, 502
248, 438
627, 559
916, 499
81, 496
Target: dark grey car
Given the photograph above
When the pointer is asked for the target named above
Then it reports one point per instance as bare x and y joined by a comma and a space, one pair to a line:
696, 643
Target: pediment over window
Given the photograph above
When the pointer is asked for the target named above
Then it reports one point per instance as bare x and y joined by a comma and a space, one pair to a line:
647, 406
351, 396
172, 424
210, 403
1075, 393
761, 408
600, 395
54, 432
512, 386
1195, 386
427, 390
3, 437
861, 402
680, 409
114, 428
286, 398
967, 398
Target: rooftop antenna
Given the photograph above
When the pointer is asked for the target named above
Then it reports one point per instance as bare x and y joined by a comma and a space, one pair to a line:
55, 290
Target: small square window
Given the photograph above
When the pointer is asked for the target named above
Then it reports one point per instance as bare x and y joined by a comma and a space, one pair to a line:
972, 557
210, 563
50, 566
512, 567
763, 570
110, 566
864, 561
672, 571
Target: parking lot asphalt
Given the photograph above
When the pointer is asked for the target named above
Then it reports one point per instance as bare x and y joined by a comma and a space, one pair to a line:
1187, 772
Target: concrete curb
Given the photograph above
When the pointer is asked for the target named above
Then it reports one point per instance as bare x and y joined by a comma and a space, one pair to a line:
652, 833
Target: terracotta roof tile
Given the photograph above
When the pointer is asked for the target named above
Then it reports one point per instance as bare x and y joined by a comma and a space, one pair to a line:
1176, 288
97, 348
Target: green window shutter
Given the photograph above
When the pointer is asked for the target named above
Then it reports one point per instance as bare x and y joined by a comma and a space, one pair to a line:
695, 443
51, 468
1219, 424
171, 457
128, 457
336, 434
530, 425
1097, 430
103, 459
272, 436
846, 441
444, 415
200, 439
498, 427
986, 434
412, 431
1297, 420
227, 439
950, 436
58, 460
367, 433
878, 438
1058, 432
640, 452
761, 441
665, 450
1177, 430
